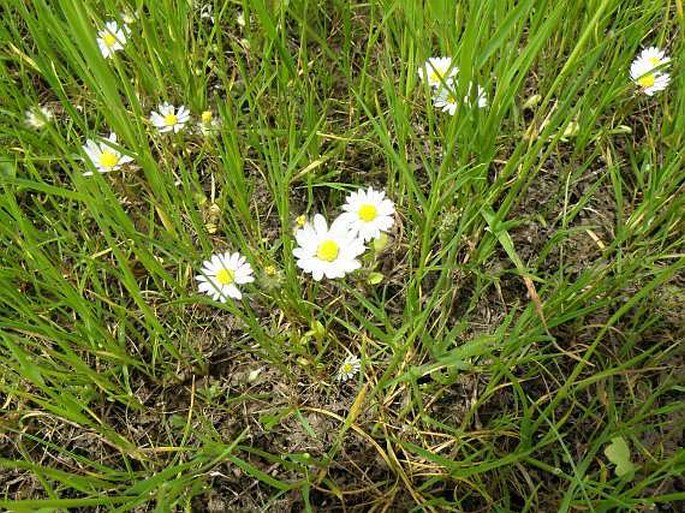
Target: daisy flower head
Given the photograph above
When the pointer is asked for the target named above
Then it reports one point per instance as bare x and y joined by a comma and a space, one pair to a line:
437, 71
446, 100
208, 123
368, 213
327, 251
647, 70
221, 274
104, 156
348, 368
168, 118
112, 38
650, 59
38, 117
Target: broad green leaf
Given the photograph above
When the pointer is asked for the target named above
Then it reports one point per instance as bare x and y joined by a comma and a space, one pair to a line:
375, 278
618, 453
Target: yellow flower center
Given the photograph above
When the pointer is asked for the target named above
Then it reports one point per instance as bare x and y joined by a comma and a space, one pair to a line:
170, 119
367, 212
647, 80
347, 367
434, 76
328, 250
108, 159
109, 39
225, 276
654, 61
206, 117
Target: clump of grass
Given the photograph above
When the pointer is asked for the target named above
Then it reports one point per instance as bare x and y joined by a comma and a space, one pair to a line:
521, 318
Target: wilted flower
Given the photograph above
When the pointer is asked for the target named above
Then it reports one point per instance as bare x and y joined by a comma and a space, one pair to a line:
38, 117
208, 123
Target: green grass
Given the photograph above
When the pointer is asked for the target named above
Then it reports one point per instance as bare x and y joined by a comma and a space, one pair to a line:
530, 307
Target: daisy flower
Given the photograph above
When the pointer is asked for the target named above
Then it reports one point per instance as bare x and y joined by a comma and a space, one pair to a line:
446, 98
168, 118
104, 156
652, 82
208, 123
38, 117
368, 213
437, 71
348, 368
324, 251
112, 38
221, 274
650, 59
647, 70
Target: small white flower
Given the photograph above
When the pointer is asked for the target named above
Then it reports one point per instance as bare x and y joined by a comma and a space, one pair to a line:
368, 213
348, 368
241, 18
446, 99
104, 155
168, 118
112, 38
649, 60
652, 82
437, 71
220, 275
206, 12
208, 123
38, 117
647, 70
324, 251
